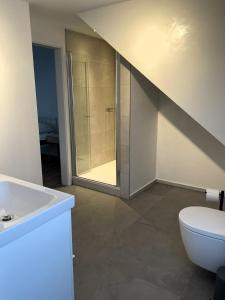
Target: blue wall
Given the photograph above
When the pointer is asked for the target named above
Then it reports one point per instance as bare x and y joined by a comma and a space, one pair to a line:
45, 79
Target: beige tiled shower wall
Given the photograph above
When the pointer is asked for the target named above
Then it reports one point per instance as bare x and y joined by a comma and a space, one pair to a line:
93, 62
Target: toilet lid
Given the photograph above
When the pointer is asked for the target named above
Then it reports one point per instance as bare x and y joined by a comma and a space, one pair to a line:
203, 220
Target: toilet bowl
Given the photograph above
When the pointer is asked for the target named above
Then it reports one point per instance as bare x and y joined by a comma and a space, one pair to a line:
203, 234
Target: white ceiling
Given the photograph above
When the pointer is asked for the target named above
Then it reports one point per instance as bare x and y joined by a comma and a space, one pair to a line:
70, 6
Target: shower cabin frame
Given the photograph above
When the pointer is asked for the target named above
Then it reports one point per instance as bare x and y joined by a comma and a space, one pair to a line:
77, 180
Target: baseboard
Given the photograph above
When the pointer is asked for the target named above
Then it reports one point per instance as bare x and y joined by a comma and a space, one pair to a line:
115, 191
145, 187
181, 185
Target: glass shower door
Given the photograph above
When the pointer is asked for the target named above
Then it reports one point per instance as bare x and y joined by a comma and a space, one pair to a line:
93, 112
80, 111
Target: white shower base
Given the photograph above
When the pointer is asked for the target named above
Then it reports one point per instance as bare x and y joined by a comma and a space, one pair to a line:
105, 173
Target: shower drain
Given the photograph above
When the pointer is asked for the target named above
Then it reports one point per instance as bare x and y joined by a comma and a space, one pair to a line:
6, 218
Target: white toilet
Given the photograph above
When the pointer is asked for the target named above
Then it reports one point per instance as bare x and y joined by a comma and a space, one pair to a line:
203, 235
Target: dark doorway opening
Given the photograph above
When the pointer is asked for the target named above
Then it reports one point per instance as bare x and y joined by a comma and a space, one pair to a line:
46, 92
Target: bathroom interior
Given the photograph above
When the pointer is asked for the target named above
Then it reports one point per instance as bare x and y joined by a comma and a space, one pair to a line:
112, 158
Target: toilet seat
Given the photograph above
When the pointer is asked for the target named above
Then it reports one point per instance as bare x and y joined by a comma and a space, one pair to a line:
202, 220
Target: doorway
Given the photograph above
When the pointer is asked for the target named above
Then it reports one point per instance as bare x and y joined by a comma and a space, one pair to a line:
47, 106
92, 77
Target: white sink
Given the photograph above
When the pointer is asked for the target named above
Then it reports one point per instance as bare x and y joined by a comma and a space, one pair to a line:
36, 243
20, 201
25, 201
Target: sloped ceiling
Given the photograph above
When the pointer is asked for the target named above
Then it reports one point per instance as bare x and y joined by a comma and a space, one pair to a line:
69, 6
178, 45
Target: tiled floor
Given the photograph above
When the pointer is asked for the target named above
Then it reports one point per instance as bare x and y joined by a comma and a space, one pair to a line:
105, 173
129, 250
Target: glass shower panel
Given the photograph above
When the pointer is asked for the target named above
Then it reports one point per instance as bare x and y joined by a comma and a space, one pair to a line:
81, 117
101, 91
94, 107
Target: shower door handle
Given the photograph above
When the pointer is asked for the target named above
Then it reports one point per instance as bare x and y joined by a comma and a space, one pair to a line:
110, 109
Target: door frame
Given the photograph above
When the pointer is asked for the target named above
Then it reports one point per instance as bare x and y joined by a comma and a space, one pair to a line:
87, 183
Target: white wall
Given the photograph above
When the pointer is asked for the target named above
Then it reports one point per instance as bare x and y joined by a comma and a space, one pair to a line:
177, 45
143, 131
49, 29
19, 149
123, 134
187, 153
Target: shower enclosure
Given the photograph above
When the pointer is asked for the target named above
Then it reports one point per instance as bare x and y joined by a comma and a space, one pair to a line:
93, 108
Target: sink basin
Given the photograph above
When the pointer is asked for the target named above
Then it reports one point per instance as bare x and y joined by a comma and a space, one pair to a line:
19, 201
35, 242
26, 201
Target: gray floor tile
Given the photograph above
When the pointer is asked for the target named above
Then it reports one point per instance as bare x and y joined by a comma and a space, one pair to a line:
160, 260
200, 286
159, 189
143, 202
144, 290
133, 249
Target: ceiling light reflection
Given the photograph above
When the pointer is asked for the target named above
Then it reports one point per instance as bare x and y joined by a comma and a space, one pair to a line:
177, 35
